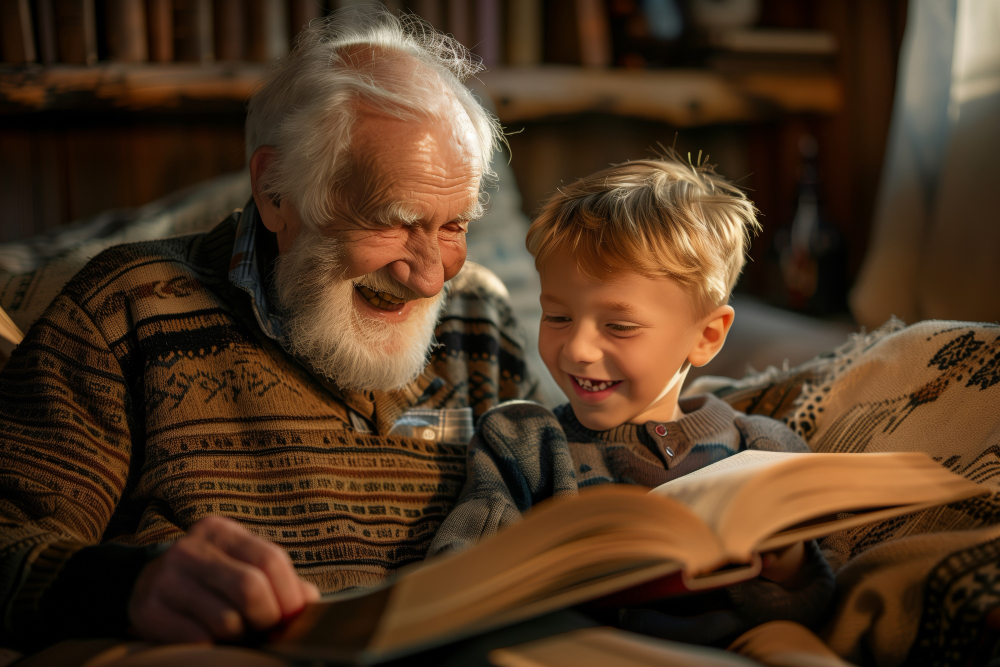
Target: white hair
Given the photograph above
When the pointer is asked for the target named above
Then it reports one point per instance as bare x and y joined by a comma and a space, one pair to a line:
308, 102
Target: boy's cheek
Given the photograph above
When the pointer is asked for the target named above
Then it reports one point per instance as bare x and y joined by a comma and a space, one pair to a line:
547, 349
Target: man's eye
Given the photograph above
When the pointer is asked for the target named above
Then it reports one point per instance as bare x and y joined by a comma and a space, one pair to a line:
458, 227
623, 328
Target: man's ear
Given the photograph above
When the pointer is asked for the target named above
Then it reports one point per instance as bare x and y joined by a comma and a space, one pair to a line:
268, 206
714, 329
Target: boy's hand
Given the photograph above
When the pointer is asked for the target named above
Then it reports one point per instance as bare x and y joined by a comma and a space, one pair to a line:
784, 565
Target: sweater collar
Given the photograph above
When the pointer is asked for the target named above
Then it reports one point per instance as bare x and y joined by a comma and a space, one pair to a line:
704, 417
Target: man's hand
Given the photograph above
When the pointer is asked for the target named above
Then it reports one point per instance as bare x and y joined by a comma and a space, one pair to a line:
215, 583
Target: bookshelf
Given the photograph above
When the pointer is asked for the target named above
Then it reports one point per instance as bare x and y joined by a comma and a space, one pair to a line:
96, 113
680, 97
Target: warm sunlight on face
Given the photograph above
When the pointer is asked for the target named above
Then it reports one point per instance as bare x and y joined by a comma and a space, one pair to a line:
614, 346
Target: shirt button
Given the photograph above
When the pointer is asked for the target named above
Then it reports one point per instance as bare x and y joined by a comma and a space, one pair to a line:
428, 434
669, 452
661, 431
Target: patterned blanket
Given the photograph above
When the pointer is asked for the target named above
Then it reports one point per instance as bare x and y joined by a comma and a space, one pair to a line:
915, 590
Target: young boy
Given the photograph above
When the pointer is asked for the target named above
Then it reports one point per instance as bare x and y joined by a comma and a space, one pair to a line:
637, 263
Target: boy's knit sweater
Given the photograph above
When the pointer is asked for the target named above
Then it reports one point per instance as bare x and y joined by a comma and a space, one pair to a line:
147, 397
523, 453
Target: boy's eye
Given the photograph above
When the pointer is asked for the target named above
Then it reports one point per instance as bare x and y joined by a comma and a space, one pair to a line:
555, 319
623, 328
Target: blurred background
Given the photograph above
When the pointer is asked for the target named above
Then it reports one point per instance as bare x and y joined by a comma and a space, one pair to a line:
866, 131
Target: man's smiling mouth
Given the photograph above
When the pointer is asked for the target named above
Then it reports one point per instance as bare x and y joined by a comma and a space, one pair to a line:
381, 300
588, 384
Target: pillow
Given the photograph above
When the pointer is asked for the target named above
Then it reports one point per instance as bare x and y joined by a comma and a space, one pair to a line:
931, 386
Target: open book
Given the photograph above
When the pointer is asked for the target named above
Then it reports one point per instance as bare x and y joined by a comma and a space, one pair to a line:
613, 538
10, 336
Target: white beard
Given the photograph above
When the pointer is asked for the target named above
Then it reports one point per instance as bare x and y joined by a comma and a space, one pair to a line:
324, 328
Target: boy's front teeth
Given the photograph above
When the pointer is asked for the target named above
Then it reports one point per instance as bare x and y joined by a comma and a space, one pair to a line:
590, 386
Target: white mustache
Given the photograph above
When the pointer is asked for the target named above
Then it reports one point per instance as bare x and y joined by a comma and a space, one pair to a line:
381, 281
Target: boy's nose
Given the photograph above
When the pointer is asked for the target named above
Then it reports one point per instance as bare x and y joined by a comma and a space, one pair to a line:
581, 348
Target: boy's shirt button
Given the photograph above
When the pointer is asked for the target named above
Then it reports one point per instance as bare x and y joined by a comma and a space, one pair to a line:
669, 452
661, 431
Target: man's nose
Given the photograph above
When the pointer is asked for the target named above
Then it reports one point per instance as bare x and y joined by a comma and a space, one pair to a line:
421, 270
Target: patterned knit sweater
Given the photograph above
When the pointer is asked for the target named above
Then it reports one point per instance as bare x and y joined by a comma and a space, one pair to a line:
147, 398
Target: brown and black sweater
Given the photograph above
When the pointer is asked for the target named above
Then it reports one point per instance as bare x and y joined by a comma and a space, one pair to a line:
146, 398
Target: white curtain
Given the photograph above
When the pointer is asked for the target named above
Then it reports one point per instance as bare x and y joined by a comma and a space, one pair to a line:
935, 248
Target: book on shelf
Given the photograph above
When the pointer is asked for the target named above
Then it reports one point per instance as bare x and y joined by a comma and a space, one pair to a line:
268, 30
194, 40
230, 30
76, 31
524, 33
17, 39
488, 42
617, 538
160, 30
431, 11
577, 32
595, 33
754, 50
45, 27
302, 12
126, 30
459, 21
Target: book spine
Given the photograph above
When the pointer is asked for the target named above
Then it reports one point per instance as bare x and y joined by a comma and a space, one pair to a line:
193, 33
230, 30
302, 12
595, 33
45, 27
489, 32
460, 21
268, 29
524, 33
394, 7
430, 11
160, 19
17, 34
126, 26
76, 31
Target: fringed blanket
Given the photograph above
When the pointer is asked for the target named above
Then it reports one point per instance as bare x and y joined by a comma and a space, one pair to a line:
914, 590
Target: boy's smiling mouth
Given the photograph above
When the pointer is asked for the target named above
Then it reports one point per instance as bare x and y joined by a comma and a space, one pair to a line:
593, 388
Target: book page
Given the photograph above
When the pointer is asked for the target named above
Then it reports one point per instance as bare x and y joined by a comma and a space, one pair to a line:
751, 497
709, 491
599, 647
10, 334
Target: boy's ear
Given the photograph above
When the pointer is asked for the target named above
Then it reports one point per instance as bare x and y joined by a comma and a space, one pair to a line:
714, 329
268, 206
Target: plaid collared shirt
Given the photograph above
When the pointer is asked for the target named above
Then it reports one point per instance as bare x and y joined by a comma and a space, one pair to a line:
243, 273
453, 426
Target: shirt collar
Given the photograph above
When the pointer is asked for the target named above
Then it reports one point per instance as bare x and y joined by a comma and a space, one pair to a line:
244, 272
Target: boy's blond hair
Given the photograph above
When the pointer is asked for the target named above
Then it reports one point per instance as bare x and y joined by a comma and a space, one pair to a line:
656, 217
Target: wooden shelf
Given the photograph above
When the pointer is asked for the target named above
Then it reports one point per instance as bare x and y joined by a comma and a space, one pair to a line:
683, 98
680, 97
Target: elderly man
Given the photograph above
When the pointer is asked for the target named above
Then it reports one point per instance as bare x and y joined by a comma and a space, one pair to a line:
203, 433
